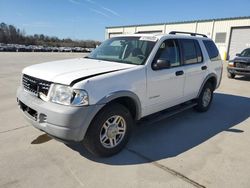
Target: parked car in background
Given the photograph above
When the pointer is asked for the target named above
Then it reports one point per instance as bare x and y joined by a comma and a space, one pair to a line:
240, 65
77, 49
10, 48
1, 47
40, 48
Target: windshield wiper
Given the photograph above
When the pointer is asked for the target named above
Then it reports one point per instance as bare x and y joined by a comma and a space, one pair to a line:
87, 57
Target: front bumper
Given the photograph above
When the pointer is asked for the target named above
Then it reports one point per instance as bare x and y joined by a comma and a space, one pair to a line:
239, 71
63, 122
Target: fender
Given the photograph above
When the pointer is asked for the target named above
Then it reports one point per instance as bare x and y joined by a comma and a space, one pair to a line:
205, 80
124, 93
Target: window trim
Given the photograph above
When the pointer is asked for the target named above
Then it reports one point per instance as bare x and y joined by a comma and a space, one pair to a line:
180, 55
182, 51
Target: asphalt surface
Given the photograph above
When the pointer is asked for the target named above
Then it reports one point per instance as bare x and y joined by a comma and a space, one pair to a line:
187, 150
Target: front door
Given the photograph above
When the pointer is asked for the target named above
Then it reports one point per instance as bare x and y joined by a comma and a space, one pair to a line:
165, 86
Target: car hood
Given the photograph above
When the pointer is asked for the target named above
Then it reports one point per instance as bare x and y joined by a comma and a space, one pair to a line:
69, 71
242, 59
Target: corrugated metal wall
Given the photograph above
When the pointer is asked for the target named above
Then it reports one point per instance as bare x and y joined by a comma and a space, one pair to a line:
189, 27
209, 28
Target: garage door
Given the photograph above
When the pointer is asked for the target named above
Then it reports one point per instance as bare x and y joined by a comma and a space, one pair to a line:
240, 39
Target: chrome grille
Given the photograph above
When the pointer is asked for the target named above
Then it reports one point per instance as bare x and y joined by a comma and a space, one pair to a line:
35, 85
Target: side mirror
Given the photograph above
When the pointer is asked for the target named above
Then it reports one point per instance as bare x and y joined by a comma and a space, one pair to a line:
238, 55
161, 64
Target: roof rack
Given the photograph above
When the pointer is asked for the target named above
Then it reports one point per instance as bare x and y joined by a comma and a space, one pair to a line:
192, 34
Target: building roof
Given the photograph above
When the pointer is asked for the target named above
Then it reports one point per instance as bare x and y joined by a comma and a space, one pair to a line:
182, 22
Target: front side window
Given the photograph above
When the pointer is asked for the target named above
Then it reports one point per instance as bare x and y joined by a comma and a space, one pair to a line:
169, 51
191, 51
131, 50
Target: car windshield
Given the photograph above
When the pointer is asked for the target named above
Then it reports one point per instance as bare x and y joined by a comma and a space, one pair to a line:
131, 50
245, 53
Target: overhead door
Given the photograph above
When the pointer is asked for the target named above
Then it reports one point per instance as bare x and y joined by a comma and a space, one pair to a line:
240, 39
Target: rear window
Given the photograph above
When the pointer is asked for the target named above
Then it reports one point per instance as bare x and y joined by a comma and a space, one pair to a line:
212, 50
191, 51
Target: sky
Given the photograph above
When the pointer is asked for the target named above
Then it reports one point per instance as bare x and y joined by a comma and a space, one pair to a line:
87, 19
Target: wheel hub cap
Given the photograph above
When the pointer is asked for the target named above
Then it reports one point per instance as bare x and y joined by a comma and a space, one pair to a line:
206, 97
112, 131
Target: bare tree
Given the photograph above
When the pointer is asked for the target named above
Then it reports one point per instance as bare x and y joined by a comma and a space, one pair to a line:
11, 34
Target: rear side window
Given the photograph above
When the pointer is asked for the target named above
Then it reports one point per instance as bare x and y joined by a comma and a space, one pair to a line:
191, 51
212, 50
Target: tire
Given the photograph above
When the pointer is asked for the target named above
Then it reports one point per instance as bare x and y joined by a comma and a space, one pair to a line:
230, 75
104, 126
205, 98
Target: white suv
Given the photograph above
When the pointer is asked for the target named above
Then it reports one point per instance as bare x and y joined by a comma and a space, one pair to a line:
97, 99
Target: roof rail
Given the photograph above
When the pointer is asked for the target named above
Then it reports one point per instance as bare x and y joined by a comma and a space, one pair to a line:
190, 33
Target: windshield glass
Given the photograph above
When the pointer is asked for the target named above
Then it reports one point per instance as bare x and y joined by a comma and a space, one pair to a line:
131, 50
245, 53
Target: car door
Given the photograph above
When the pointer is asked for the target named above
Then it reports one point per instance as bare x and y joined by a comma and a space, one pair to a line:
194, 67
165, 86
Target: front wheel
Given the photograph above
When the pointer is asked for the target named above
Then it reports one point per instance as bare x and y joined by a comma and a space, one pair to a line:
205, 98
110, 131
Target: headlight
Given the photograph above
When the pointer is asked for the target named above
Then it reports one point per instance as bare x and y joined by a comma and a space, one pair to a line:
68, 96
231, 64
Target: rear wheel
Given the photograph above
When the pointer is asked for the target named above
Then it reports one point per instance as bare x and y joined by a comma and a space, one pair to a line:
230, 75
205, 98
110, 131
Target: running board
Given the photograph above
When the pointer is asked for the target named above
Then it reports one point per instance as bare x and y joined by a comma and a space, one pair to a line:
166, 113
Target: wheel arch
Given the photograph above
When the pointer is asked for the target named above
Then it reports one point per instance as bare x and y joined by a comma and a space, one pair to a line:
212, 78
127, 98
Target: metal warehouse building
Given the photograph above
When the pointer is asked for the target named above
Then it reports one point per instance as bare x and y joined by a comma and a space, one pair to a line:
231, 35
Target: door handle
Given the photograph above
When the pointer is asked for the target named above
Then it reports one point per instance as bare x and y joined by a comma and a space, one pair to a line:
179, 73
204, 67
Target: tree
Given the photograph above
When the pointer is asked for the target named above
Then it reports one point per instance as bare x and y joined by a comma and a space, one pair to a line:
11, 34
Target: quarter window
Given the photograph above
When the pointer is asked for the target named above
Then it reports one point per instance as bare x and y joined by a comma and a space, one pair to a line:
212, 50
191, 51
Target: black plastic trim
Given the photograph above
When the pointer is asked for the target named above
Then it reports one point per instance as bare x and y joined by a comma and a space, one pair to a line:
189, 33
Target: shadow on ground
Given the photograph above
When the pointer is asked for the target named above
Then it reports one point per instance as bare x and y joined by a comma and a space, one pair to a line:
173, 136
41, 139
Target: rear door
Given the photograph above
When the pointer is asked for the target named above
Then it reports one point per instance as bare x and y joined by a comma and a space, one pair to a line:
194, 67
